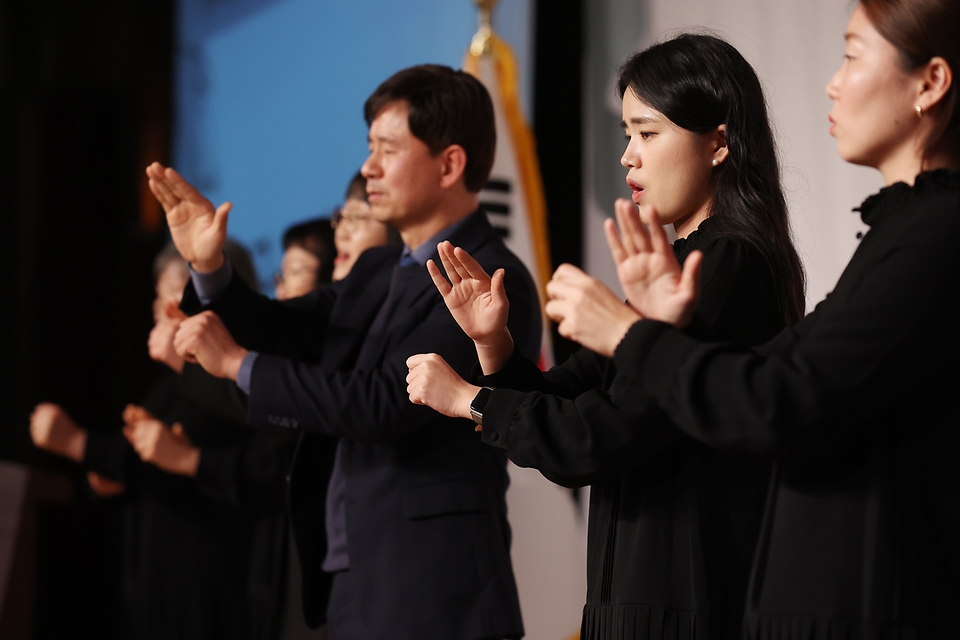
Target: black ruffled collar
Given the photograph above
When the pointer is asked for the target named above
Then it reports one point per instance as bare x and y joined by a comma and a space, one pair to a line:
891, 199
704, 233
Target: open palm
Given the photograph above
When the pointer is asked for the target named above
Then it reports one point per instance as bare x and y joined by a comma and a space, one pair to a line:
647, 268
476, 301
198, 229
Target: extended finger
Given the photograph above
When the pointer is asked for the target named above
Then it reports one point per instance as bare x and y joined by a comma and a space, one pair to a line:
454, 259
445, 249
690, 276
613, 241
163, 194
471, 266
441, 283
181, 187
658, 236
635, 235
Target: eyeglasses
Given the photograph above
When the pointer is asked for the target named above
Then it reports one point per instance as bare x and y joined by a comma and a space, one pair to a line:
349, 218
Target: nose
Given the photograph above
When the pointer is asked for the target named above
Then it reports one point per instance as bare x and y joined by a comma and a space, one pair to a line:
630, 158
833, 87
370, 167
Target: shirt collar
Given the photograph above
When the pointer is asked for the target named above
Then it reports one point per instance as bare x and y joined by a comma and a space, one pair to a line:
422, 253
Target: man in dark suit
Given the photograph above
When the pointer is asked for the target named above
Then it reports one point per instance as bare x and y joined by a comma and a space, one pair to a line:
398, 512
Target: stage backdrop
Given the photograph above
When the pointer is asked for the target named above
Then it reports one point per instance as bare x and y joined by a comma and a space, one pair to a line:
269, 96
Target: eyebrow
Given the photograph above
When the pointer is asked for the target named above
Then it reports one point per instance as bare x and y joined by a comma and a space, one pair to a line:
638, 120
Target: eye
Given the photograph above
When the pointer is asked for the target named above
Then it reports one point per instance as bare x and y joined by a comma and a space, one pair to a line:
646, 135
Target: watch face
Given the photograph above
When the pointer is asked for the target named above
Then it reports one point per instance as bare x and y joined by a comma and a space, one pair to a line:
479, 404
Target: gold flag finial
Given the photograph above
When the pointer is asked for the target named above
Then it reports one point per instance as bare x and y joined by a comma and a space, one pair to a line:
481, 40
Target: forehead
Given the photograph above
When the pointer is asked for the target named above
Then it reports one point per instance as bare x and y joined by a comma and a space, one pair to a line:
636, 111
861, 32
296, 253
391, 121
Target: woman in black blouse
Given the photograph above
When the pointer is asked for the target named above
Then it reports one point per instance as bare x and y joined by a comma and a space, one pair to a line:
672, 525
861, 534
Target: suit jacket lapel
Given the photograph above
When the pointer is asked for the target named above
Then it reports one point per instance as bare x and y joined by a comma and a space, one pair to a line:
413, 283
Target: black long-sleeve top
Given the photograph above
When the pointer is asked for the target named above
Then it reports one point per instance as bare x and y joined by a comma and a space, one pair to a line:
204, 557
862, 530
672, 524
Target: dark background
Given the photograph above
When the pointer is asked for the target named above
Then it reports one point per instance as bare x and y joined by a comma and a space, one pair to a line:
85, 105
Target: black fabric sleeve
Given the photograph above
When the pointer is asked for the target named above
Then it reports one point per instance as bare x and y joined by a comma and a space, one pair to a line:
846, 366
582, 371
372, 405
570, 428
292, 328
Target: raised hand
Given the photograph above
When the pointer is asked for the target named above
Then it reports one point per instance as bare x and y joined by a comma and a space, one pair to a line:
648, 270
477, 302
587, 310
160, 342
198, 229
432, 382
168, 448
51, 429
205, 340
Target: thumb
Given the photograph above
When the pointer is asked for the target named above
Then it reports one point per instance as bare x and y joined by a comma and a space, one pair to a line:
179, 433
172, 311
414, 360
496, 285
690, 279
221, 215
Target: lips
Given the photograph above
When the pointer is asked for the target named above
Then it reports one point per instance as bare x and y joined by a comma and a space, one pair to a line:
833, 124
638, 190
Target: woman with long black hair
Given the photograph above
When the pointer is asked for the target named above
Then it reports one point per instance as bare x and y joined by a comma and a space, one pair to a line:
672, 524
861, 530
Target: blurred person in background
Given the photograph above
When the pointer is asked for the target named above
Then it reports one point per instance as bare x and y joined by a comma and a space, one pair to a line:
355, 228
307, 263
203, 524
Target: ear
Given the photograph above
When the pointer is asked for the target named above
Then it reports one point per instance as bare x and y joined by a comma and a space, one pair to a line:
936, 78
453, 162
717, 145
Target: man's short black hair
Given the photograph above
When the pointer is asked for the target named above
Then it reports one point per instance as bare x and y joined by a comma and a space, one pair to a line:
444, 107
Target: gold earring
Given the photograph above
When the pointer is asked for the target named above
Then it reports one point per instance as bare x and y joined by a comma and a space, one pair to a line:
919, 111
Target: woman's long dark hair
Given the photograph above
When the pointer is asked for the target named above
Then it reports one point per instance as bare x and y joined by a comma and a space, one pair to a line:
700, 82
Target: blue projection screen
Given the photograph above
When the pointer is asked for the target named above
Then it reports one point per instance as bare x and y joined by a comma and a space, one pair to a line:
269, 96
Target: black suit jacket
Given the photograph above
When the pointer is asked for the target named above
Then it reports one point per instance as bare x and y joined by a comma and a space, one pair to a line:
427, 531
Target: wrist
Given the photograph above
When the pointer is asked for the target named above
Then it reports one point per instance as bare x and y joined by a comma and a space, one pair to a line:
208, 265
190, 462
77, 446
495, 351
467, 395
232, 370
625, 319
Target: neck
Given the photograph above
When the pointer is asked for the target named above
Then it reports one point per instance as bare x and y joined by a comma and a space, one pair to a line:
688, 225
442, 216
912, 160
